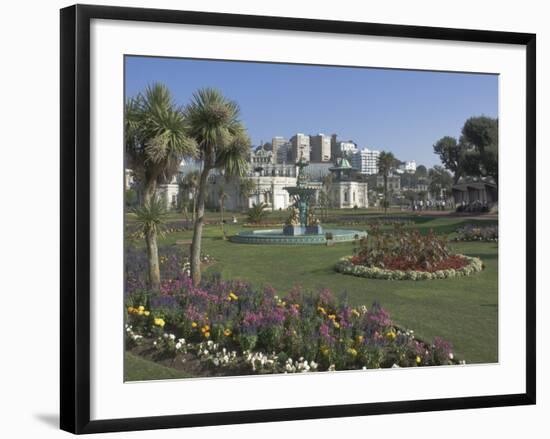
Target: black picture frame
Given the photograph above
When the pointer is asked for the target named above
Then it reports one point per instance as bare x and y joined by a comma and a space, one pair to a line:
75, 217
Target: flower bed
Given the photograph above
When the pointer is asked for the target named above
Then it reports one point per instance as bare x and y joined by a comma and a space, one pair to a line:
471, 232
231, 328
406, 254
346, 266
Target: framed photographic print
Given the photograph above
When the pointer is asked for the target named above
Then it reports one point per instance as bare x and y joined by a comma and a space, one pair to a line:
268, 218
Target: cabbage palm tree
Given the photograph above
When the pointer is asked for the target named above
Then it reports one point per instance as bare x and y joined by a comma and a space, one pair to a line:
222, 196
222, 143
386, 161
150, 218
156, 141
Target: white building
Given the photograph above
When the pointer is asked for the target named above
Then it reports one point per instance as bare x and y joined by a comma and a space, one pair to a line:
320, 148
269, 190
366, 161
344, 192
300, 147
341, 148
409, 166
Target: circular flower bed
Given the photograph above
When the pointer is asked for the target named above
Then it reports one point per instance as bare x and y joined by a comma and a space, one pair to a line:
346, 266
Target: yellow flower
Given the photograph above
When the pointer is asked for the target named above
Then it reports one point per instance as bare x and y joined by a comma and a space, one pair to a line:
418, 360
232, 296
141, 308
159, 322
355, 312
146, 313
322, 310
324, 350
207, 334
131, 309
194, 325
391, 335
336, 324
360, 339
331, 316
352, 351
140, 312
227, 332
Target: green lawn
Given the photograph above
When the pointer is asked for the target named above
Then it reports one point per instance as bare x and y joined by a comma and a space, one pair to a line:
463, 310
139, 369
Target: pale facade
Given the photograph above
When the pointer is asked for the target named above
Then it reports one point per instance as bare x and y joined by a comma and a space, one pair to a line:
300, 147
366, 161
320, 148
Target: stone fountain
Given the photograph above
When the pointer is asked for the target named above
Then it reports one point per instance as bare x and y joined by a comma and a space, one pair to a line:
301, 227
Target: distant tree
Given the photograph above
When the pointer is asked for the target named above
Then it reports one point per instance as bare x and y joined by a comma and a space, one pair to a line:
247, 187
189, 185
451, 154
421, 171
222, 196
480, 140
386, 161
440, 181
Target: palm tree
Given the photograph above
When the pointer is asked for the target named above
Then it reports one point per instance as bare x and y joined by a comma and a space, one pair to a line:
222, 143
222, 196
247, 187
156, 141
386, 162
190, 183
257, 213
150, 218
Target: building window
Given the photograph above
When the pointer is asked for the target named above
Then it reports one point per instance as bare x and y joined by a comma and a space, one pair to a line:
346, 196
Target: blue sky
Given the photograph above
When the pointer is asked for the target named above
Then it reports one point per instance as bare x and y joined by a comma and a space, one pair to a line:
394, 110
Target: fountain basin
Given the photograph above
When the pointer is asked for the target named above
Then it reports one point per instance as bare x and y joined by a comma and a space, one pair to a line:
277, 237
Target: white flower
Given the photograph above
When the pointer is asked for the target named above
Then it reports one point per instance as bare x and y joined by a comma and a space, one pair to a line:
451, 356
178, 345
395, 366
172, 337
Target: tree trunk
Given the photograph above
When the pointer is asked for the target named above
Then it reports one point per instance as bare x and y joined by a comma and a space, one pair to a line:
385, 194
194, 205
151, 241
153, 260
197, 229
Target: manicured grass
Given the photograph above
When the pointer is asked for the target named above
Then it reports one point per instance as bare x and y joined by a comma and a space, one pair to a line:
463, 310
139, 369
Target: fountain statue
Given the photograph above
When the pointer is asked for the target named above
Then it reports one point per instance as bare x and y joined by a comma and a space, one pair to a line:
301, 220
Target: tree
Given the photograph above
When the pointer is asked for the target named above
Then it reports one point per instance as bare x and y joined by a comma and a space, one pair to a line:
450, 153
386, 161
222, 143
480, 140
150, 217
156, 141
421, 172
247, 187
189, 184
440, 181
222, 196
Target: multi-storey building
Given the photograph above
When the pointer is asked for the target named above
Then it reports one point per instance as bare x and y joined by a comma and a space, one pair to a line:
366, 161
340, 148
408, 166
300, 147
281, 149
320, 148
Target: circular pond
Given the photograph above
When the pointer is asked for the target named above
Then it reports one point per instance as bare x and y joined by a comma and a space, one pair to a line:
276, 237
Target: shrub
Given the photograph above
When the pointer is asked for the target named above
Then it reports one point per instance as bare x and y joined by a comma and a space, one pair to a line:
472, 232
257, 213
405, 249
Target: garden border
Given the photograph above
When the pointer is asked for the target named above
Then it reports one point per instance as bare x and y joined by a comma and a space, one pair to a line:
345, 266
